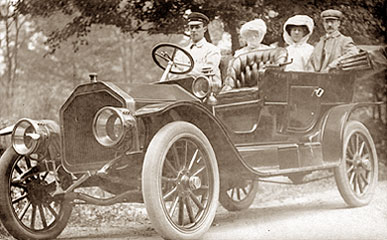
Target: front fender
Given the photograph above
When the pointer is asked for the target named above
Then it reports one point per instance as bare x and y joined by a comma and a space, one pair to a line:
229, 160
7, 130
333, 130
4, 132
153, 109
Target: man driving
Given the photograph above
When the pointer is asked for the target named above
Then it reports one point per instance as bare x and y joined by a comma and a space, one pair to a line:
206, 56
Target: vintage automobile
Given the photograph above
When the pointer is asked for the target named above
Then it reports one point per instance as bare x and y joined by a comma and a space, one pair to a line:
183, 145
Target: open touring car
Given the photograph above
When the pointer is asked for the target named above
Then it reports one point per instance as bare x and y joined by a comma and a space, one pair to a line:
183, 145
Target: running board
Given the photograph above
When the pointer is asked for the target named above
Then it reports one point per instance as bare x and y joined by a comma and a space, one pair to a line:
253, 148
279, 172
275, 159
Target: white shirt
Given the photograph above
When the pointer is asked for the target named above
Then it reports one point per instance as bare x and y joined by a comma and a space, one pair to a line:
204, 54
300, 54
299, 51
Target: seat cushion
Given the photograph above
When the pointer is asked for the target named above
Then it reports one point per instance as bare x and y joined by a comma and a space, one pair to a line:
243, 71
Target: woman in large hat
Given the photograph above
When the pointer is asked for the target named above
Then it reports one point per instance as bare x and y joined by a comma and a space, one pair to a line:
252, 33
297, 31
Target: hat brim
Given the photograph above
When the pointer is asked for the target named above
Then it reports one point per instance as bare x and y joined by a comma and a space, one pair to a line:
194, 22
332, 18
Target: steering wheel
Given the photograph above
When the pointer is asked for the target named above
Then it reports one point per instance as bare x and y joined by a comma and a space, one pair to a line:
164, 56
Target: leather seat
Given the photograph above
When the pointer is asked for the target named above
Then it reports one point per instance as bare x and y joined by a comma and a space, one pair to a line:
243, 71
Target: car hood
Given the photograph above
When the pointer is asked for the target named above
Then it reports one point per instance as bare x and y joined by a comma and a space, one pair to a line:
157, 92
131, 96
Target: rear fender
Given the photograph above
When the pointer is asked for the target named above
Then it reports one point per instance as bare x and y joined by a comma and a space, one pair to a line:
229, 160
333, 130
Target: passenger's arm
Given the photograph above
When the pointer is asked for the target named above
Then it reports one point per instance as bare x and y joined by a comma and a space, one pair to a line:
348, 49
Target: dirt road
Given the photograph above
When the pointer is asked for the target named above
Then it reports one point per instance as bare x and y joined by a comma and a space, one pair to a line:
297, 212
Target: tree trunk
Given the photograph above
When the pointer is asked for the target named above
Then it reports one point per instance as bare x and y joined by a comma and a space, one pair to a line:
8, 57
12, 29
15, 54
132, 62
231, 28
74, 70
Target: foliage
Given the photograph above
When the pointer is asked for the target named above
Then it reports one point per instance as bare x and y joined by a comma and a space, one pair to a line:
364, 18
14, 38
46, 80
118, 46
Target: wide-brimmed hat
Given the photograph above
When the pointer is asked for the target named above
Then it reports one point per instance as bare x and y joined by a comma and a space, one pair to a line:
257, 25
298, 20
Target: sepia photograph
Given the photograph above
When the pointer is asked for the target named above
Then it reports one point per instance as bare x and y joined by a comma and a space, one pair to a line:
193, 119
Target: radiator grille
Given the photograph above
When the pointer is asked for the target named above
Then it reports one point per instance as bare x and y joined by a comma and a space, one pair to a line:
81, 152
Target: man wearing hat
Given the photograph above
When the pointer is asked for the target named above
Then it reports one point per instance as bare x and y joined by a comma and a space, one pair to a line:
204, 54
333, 46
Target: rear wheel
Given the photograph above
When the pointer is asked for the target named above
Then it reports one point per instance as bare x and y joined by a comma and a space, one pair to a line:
180, 181
27, 210
236, 196
357, 175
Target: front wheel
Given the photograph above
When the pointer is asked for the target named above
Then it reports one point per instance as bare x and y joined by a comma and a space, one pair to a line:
180, 181
27, 209
357, 175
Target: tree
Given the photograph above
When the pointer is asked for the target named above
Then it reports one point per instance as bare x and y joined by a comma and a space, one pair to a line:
15, 34
45, 80
365, 18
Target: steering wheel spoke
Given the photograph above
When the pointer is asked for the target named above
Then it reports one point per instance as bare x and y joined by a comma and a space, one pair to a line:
174, 53
182, 61
177, 63
164, 56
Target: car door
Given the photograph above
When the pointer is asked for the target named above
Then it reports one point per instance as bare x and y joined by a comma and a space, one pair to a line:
299, 95
239, 110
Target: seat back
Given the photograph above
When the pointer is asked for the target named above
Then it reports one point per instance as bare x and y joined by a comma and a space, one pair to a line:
223, 65
243, 71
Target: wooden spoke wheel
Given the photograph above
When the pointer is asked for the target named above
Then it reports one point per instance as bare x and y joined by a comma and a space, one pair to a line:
28, 211
239, 195
180, 181
357, 175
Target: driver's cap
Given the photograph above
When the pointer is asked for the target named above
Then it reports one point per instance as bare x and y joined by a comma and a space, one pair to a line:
196, 18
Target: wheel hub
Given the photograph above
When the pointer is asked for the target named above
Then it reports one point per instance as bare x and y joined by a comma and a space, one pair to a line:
366, 164
184, 181
195, 182
360, 164
188, 183
36, 191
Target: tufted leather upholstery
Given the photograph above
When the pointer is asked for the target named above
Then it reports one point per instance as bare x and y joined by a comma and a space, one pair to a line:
243, 71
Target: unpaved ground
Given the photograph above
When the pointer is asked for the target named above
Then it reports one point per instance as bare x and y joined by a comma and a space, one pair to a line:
297, 212
311, 211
